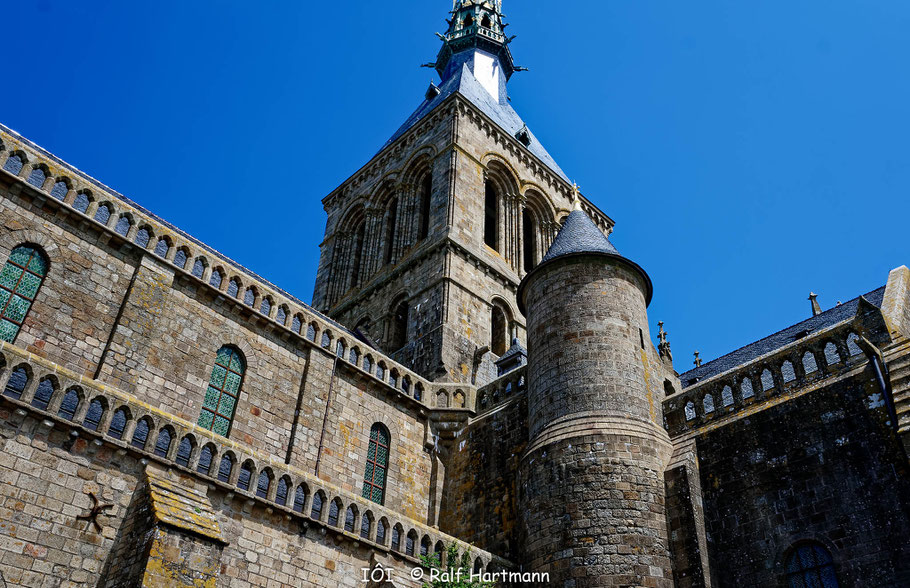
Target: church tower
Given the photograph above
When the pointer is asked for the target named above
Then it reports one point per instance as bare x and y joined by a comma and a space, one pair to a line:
426, 244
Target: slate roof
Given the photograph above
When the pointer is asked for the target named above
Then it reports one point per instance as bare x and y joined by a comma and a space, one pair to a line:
464, 83
750, 352
516, 349
579, 235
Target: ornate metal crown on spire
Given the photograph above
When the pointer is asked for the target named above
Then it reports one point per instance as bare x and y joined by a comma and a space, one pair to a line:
476, 24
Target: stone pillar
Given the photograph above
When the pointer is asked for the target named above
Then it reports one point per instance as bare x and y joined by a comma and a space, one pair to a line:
591, 483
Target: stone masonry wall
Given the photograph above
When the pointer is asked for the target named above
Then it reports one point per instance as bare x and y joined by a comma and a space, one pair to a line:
823, 466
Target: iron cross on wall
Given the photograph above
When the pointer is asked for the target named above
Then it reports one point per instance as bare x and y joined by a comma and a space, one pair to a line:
97, 509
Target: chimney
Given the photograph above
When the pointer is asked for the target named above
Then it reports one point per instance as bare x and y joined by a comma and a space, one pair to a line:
816, 309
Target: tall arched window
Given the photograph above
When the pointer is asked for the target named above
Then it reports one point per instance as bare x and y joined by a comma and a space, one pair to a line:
529, 239
123, 225
357, 253
398, 335
499, 331
491, 217
82, 201
20, 280
426, 193
224, 389
60, 190
37, 177
374, 478
391, 229
13, 165
810, 564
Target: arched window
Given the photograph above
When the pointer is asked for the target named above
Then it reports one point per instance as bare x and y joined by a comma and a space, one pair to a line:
184, 450
767, 380
225, 468
357, 253
381, 530
529, 239
281, 315
832, 357
374, 479
334, 509
326, 339
409, 542
233, 288
391, 229
300, 498
316, 511
499, 331
264, 484
20, 280
13, 165
141, 434
852, 347
787, 372
162, 247
727, 396
215, 278
365, 524
163, 444
43, 394
708, 403
198, 268
810, 564
281, 492
16, 384
224, 389
37, 177
425, 546
690, 411
206, 456
249, 297
181, 257
809, 364
81, 202
746, 388
118, 424
94, 414
491, 216
143, 237
266, 306
60, 190
103, 214
123, 225
396, 538
398, 336
69, 405
350, 517
297, 324
246, 476
426, 193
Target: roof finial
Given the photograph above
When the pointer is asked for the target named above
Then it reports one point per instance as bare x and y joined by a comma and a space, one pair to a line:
576, 197
663, 346
697, 360
816, 309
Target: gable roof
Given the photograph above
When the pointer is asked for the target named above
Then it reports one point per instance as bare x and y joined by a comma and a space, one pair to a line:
744, 355
465, 84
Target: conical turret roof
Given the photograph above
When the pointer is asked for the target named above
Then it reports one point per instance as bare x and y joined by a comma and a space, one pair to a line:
579, 235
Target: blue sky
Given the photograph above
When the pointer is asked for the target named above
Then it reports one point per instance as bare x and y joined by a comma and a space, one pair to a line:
749, 151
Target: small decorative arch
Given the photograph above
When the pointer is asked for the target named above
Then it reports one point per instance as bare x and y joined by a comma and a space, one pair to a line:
162, 247
266, 306
163, 443
726, 396
708, 403
246, 475
300, 496
233, 289
368, 363
82, 201
264, 483
318, 501
832, 355
311, 331
340, 348
767, 380
226, 467
459, 399
249, 297
118, 423
810, 366
143, 236
103, 213
350, 518
788, 374
95, 413
397, 533
809, 563
15, 163
326, 339
185, 451
181, 256
334, 511
852, 347
199, 265
282, 491
206, 459
281, 315
297, 325
217, 277
70, 404
690, 411
425, 545
382, 530
141, 433
61, 188
745, 388
410, 542
124, 224
47, 386
38, 176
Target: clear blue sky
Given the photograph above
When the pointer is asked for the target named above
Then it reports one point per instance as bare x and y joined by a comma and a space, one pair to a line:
749, 151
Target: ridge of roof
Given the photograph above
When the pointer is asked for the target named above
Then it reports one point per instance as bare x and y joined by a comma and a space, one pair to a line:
465, 84
775, 341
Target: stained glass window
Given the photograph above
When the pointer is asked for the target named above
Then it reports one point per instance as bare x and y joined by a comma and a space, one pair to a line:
810, 566
20, 280
81, 202
13, 165
59, 190
374, 478
223, 391
37, 177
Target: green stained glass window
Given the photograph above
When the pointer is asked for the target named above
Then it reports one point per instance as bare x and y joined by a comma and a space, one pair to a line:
374, 477
20, 280
220, 400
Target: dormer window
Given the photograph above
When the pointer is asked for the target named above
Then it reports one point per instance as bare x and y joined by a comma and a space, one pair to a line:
524, 136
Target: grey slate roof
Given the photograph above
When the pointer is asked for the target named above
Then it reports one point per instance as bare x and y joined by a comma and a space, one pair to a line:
516, 349
750, 352
579, 235
464, 83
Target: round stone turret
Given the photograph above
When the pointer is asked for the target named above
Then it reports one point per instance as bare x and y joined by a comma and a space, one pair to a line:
592, 479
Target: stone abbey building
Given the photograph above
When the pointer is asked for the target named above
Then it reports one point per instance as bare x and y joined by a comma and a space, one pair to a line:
477, 367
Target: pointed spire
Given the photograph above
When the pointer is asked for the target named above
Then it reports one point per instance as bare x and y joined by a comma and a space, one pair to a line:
475, 25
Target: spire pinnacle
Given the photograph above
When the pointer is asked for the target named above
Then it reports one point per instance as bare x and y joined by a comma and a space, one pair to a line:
475, 25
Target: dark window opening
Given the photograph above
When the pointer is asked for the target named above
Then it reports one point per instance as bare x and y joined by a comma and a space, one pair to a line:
810, 564
425, 200
358, 254
399, 334
491, 217
529, 239
499, 328
390, 230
